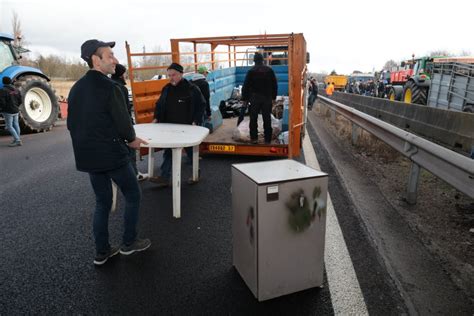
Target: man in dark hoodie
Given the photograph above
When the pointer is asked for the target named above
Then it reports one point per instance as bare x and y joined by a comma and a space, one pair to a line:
119, 78
260, 89
101, 133
180, 102
10, 101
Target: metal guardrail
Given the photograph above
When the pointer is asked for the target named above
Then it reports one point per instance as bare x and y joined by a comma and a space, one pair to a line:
455, 169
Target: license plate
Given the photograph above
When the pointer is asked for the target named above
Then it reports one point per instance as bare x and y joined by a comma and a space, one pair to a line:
221, 148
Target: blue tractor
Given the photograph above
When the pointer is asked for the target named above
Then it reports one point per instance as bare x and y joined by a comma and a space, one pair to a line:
39, 109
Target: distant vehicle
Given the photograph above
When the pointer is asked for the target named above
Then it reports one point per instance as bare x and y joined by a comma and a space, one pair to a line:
39, 109
274, 55
340, 81
444, 82
410, 81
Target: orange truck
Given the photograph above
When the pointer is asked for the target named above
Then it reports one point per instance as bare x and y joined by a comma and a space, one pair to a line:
229, 58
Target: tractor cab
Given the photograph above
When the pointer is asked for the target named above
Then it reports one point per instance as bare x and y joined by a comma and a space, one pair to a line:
8, 55
417, 69
422, 68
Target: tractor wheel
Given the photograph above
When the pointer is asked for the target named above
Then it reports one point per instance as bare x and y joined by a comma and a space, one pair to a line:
394, 94
414, 94
39, 109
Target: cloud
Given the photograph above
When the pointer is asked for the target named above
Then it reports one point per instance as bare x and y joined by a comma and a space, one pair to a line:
343, 35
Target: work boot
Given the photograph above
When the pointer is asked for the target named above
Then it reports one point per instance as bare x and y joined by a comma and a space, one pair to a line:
160, 182
102, 257
137, 245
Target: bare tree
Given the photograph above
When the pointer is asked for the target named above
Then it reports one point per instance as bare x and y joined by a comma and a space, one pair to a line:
440, 52
152, 61
320, 76
186, 58
17, 31
204, 55
389, 64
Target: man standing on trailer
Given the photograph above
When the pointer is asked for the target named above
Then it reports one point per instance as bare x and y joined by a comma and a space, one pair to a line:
260, 89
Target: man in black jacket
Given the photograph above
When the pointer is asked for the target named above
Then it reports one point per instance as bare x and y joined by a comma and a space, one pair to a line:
313, 93
101, 132
260, 89
180, 102
119, 78
10, 101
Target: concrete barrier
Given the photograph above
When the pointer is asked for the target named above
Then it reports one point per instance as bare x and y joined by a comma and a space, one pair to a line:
451, 128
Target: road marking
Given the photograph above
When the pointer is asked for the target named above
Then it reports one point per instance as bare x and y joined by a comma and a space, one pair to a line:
346, 295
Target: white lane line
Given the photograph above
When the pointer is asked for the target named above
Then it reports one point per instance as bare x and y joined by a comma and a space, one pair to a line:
346, 295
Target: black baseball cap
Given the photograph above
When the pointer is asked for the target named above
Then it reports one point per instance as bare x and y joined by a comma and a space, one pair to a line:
89, 47
176, 67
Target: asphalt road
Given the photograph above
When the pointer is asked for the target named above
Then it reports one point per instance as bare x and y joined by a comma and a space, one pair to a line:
47, 246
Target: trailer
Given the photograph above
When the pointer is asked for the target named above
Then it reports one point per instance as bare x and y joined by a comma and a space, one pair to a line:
229, 58
452, 84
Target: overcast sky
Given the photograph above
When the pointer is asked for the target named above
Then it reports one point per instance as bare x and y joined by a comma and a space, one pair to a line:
343, 35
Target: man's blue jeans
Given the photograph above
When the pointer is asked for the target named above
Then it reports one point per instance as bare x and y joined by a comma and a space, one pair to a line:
126, 180
168, 161
11, 124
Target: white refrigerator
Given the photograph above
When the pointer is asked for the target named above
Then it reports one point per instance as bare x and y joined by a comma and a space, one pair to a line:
278, 226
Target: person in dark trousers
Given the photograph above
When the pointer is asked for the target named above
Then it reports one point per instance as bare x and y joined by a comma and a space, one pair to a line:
119, 78
10, 101
200, 81
260, 89
101, 133
180, 102
243, 110
313, 93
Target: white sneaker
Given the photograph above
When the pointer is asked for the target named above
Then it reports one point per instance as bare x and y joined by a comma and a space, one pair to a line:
141, 176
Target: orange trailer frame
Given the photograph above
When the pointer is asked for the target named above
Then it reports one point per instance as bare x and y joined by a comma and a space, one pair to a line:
145, 93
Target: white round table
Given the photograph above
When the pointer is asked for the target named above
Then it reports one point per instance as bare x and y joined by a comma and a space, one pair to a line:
176, 137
